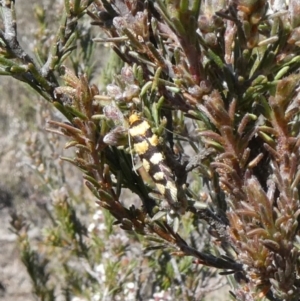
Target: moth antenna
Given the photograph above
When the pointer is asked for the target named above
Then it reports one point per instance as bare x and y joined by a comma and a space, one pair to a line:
176, 134
130, 148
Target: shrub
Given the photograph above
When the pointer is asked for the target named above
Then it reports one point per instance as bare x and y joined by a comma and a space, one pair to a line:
199, 119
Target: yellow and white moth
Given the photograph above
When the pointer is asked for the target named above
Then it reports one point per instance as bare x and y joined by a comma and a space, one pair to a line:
146, 145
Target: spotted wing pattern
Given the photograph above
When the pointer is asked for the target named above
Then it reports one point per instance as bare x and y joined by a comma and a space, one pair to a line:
146, 145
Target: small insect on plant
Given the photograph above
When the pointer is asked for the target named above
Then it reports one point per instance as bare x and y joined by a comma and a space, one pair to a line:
146, 145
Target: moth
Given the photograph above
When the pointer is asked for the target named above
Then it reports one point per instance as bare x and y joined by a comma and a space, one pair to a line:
146, 145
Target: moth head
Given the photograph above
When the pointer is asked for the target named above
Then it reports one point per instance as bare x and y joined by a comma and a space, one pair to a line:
133, 118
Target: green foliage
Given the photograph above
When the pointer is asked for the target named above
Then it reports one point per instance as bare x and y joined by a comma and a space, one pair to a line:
215, 86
